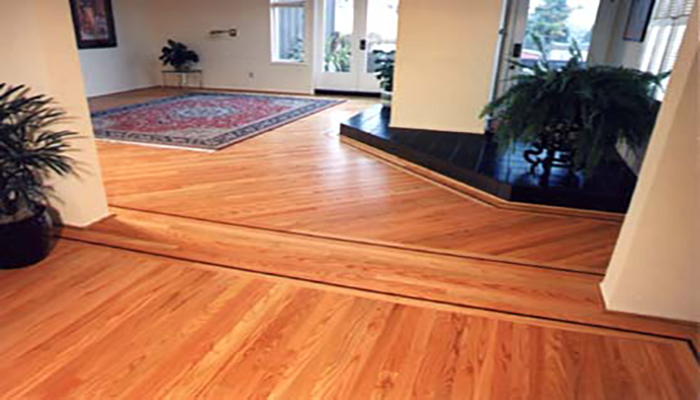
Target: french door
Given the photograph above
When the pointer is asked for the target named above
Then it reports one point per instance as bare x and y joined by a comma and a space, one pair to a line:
557, 22
352, 32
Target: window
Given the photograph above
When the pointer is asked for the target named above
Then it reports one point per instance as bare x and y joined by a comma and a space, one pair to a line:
558, 24
665, 34
288, 30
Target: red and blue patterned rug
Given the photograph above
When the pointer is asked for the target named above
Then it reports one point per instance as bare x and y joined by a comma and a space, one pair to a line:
208, 121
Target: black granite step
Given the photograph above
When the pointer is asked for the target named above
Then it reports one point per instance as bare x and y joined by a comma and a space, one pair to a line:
475, 160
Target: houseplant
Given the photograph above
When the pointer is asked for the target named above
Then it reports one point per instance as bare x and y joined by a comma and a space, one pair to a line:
338, 53
575, 116
385, 61
30, 150
178, 56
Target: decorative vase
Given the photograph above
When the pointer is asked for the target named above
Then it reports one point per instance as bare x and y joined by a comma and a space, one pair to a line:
26, 242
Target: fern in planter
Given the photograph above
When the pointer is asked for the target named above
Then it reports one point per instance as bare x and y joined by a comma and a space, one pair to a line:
385, 69
384, 62
591, 108
29, 151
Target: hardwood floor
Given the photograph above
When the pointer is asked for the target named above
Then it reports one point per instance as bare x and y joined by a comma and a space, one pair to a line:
300, 178
95, 323
291, 266
477, 283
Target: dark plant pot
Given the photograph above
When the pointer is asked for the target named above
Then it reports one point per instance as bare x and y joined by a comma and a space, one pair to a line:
26, 242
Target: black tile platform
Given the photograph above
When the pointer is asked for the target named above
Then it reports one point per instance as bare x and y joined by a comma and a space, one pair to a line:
473, 159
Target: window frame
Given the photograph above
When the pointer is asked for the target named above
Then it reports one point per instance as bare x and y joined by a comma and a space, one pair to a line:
665, 36
274, 30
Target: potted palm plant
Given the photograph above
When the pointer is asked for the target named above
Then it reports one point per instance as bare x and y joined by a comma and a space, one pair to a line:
30, 150
576, 115
178, 56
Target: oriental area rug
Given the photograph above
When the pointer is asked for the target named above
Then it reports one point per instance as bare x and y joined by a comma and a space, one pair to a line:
204, 121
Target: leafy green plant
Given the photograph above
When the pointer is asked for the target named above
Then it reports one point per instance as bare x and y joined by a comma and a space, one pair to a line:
549, 21
603, 105
385, 61
178, 55
296, 53
29, 151
338, 53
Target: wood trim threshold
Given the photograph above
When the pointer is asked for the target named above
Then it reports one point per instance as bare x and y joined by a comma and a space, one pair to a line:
691, 343
346, 93
384, 244
389, 271
474, 193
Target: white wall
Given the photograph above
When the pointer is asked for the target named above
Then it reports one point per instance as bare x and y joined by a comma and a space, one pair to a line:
227, 62
655, 269
605, 29
130, 65
445, 59
143, 27
42, 54
608, 46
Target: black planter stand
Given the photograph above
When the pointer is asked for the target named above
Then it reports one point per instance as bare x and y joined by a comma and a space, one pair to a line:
26, 242
554, 149
546, 159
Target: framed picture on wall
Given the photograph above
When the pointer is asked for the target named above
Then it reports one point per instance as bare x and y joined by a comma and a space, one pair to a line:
94, 23
638, 20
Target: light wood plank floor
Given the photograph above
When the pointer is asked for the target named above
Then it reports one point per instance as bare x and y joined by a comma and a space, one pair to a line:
292, 266
477, 283
300, 178
96, 323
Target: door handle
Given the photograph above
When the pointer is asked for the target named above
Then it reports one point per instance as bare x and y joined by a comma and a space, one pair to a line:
517, 50
363, 44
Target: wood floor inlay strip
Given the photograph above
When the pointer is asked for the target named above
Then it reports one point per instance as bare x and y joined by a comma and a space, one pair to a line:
457, 254
557, 295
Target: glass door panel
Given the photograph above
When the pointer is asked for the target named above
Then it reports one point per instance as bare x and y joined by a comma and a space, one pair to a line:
352, 31
382, 29
338, 35
342, 24
558, 23
382, 25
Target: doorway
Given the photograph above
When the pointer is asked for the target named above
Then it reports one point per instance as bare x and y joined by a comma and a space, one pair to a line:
353, 34
558, 23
